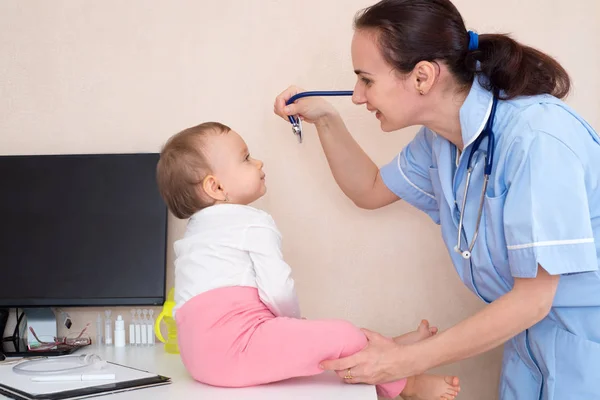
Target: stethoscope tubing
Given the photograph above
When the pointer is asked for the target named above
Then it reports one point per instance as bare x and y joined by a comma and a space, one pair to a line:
318, 93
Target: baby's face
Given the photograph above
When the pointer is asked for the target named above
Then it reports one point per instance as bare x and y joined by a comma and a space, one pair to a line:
240, 175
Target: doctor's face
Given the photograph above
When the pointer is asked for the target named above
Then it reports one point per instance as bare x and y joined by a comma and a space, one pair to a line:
379, 87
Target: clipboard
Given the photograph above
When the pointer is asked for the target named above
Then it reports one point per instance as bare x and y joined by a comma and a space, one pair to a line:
20, 387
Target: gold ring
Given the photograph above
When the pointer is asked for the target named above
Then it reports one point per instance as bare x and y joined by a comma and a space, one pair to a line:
348, 374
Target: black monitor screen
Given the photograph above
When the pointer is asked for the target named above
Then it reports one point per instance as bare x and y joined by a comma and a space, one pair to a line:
81, 230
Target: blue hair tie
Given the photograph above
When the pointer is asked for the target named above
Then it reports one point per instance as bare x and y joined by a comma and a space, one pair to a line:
473, 41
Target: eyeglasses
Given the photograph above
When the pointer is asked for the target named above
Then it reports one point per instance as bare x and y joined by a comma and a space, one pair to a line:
68, 342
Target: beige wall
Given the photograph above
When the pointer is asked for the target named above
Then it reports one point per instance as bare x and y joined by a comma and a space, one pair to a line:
115, 76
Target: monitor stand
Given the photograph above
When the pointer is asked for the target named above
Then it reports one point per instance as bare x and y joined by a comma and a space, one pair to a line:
44, 323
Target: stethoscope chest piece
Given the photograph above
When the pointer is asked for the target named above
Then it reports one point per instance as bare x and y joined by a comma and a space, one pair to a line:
296, 121
297, 128
466, 254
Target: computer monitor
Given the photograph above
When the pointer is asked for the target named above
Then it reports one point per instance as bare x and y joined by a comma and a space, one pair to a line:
81, 230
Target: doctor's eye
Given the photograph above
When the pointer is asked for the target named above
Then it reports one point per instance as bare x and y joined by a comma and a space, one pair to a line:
366, 81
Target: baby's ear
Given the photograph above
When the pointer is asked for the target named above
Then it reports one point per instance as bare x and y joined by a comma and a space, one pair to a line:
212, 188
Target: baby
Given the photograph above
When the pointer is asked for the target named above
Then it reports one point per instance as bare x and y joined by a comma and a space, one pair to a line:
238, 318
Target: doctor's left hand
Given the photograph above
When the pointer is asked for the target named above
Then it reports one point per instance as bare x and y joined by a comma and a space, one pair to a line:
377, 363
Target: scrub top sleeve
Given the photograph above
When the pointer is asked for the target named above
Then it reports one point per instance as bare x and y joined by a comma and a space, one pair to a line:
407, 175
546, 212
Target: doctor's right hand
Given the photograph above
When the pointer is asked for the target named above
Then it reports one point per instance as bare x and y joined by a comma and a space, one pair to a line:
309, 109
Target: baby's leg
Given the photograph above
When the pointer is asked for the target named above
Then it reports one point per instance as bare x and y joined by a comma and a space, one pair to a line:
284, 347
431, 387
423, 332
427, 387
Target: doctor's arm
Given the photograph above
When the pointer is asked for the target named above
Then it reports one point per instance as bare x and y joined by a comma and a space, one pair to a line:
353, 170
527, 303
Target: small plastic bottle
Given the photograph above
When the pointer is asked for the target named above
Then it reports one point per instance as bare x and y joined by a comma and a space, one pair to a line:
107, 329
132, 341
119, 332
150, 327
138, 327
143, 328
99, 328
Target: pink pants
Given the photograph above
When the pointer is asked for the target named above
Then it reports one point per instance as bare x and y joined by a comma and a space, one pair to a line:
228, 337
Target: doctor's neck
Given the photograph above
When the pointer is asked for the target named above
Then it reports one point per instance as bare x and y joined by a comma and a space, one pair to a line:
443, 115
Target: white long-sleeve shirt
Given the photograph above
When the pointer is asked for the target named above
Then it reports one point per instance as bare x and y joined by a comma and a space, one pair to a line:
234, 245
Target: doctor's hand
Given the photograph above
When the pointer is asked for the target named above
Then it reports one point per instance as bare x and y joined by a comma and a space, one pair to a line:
309, 109
380, 362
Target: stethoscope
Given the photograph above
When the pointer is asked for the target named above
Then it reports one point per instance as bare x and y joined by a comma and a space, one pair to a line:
296, 123
489, 157
487, 132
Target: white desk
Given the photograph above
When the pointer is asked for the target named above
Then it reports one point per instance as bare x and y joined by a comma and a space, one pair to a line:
155, 359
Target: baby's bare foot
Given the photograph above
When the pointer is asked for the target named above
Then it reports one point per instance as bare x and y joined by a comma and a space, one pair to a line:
423, 332
431, 387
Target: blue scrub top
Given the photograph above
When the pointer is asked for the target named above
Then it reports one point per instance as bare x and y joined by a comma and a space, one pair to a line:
542, 206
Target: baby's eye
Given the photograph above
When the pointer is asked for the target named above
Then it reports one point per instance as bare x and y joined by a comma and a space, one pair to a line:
247, 157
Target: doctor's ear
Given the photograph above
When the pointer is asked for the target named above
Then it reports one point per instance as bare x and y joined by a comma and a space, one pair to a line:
213, 188
424, 76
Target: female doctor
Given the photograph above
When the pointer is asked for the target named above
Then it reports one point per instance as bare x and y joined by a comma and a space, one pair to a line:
525, 237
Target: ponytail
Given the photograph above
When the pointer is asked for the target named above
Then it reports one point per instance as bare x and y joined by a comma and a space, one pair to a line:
409, 31
517, 70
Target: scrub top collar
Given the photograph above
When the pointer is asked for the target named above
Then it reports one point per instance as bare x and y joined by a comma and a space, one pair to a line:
474, 112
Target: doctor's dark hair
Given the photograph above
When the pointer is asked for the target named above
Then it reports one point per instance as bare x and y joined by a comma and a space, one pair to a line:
182, 167
409, 31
